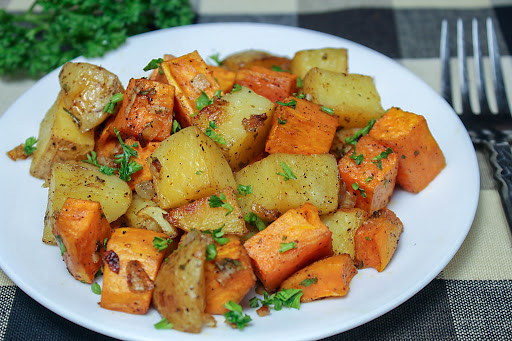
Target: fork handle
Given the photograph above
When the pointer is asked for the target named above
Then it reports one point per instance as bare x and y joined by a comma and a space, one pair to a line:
501, 160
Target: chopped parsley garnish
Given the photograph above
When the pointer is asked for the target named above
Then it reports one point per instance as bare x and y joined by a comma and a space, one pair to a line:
299, 82
216, 58
384, 155
220, 201
28, 146
281, 121
236, 316
153, 64
216, 137
287, 246
356, 187
199, 172
308, 281
95, 287
327, 110
357, 158
368, 238
93, 160
289, 298
110, 107
403, 156
61, 245
161, 244
244, 190
211, 252
360, 132
218, 235
203, 100
126, 167
288, 174
253, 219
368, 179
291, 104
105, 243
236, 87
175, 126
163, 324
277, 68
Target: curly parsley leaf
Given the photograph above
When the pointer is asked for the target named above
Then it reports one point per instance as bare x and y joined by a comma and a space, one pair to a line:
110, 107
218, 235
161, 243
253, 219
28, 146
220, 201
236, 316
93, 160
216, 137
126, 166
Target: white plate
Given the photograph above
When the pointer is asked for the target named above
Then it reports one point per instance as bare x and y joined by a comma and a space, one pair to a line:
436, 220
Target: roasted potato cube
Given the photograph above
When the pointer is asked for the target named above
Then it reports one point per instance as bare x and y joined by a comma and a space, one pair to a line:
221, 209
60, 140
331, 59
86, 89
353, 97
343, 224
242, 119
84, 181
316, 182
179, 294
187, 166
133, 219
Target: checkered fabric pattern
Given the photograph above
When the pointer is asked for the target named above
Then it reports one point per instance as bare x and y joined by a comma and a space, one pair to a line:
471, 299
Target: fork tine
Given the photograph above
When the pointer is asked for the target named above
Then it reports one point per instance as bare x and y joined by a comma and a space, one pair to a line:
479, 73
495, 58
463, 71
446, 79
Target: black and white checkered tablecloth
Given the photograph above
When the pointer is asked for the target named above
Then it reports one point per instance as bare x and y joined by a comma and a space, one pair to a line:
471, 299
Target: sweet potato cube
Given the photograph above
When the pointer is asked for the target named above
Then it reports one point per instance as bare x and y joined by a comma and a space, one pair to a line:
142, 154
274, 85
229, 277
146, 111
208, 213
328, 277
190, 76
293, 241
80, 230
305, 129
224, 77
376, 240
373, 179
420, 158
131, 266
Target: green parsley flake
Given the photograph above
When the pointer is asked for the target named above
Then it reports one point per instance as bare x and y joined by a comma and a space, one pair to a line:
95, 287
384, 155
253, 219
288, 174
308, 281
93, 160
361, 132
236, 316
327, 110
291, 104
277, 68
368, 238
368, 179
28, 146
356, 187
175, 126
299, 82
218, 235
216, 58
211, 252
236, 87
219, 201
281, 121
216, 137
61, 245
126, 166
199, 172
110, 107
163, 324
244, 190
289, 298
153, 64
287, 246
161, 244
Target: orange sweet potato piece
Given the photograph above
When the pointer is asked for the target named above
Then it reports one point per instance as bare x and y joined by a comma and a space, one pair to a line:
270, 62
142, 154
131, 266
81, 229
274, 85
303, 227
376, 240
373, 180
223, 76
146, 111
328, 277
229, 277
190, 76
303, 130
420, 158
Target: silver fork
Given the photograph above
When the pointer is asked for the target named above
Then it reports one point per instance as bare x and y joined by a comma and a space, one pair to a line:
492, 130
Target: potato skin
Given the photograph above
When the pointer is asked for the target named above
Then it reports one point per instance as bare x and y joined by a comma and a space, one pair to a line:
180, 291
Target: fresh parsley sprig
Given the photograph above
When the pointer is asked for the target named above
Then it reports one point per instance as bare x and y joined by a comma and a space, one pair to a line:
253, 219
220, 201
155, 64
28, 146
93, 160
289, 298
126, 166
110, 107
218, 235
214, 135
161, 243
235, 315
